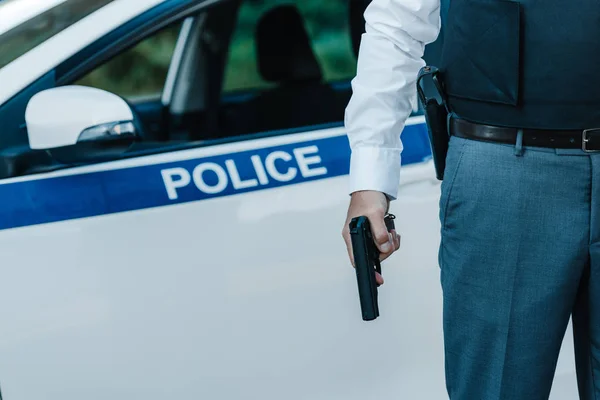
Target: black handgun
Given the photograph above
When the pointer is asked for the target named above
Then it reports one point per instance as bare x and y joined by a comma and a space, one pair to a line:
366, 261
436, 117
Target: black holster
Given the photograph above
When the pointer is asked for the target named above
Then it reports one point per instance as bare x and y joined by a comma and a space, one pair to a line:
436, 116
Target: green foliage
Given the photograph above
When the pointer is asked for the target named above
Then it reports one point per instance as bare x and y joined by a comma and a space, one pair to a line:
142, 70
327, 26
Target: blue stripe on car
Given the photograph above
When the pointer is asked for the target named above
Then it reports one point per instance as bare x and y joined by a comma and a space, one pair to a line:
69, 197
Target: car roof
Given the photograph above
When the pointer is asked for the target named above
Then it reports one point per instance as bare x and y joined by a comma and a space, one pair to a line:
15, 12
35, 63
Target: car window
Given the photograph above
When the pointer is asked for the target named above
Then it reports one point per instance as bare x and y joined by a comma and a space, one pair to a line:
326, 23
17, 38
292, 61
139, 72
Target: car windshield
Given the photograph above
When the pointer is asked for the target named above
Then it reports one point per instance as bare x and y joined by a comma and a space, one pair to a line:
24, 24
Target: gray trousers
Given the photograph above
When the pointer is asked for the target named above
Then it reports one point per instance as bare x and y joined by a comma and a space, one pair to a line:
520, 254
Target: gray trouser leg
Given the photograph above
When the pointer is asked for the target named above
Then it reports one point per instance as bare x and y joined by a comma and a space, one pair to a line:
586, 313
515, 243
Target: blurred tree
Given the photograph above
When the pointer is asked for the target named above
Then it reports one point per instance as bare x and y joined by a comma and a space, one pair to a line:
140, 71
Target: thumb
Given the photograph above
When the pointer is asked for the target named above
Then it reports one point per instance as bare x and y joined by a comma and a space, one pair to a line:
380, 234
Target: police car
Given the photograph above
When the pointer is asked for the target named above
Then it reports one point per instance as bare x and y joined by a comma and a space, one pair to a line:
184, 243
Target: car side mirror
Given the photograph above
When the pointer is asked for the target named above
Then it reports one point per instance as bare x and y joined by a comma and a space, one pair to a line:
79, 123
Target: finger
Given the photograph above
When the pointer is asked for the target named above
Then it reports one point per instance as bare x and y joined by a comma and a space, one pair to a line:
348, 242
397, 239
380, 234
378, 278
383, 256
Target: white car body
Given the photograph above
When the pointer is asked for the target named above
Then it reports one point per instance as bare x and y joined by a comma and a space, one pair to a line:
135, 278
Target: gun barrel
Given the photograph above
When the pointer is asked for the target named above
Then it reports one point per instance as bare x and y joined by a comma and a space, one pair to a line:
365, 257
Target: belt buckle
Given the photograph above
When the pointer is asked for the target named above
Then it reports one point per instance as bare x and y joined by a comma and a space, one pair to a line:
586, 138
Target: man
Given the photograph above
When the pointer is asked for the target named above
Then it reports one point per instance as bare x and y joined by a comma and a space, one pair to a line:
520, 200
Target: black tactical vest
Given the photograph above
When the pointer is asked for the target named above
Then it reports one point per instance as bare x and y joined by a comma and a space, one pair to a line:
525, 64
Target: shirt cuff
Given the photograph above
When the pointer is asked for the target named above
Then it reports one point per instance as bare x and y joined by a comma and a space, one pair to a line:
373, 168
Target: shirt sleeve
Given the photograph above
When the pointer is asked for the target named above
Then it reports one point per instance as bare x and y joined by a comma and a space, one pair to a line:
384, 88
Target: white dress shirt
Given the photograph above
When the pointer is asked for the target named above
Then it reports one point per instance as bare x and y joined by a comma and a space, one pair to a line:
384, 89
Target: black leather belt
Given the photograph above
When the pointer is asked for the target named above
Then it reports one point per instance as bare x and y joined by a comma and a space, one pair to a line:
587, 140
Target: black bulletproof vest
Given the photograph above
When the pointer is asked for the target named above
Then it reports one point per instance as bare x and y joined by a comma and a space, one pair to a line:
526, 63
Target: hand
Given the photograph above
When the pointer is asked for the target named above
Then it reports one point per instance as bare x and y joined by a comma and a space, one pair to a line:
373, 205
